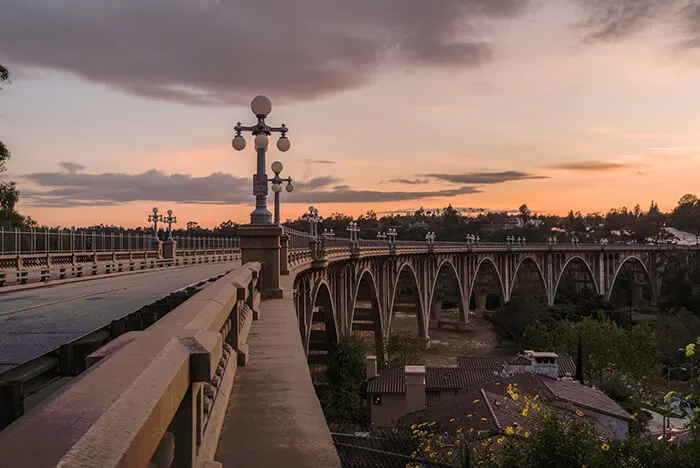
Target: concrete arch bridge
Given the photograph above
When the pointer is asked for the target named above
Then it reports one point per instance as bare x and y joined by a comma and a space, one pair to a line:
341, 286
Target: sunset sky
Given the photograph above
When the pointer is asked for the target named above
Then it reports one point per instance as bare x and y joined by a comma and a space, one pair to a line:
116, 106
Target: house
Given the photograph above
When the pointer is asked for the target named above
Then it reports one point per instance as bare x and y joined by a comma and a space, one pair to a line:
477, 397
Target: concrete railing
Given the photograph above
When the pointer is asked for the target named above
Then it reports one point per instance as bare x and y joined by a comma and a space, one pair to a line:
153, 398
21, 269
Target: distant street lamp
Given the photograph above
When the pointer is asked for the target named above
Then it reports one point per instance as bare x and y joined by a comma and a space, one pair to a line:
430, 238
170, 220
276, 182
391, 234
574, 240
381, 236
261, 107
314, 219
552, 240
354, 231
155, 218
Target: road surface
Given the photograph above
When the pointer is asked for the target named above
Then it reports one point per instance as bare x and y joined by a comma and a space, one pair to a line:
36, 321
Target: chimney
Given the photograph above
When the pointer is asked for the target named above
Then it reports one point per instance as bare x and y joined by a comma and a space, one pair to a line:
544, 363
371, 363
415, 388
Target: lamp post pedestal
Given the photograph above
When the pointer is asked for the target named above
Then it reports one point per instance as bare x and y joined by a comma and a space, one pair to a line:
158, 247
261, 243
355, 249
284, 251
169, 248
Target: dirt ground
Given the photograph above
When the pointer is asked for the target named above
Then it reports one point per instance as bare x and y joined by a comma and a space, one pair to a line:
447, 344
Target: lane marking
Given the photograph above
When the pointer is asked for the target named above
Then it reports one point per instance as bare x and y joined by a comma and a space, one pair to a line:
61, 301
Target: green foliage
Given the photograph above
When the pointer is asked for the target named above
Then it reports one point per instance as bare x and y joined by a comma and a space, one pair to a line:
404, 349
346, 381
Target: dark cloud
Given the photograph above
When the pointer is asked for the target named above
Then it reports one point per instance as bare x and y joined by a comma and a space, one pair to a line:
69, 189
592, 166
322, 161
225, 51
409, 181
71, 166
609, 20
479, 178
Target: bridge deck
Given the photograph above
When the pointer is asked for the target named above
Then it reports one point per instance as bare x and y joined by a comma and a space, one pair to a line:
274, 417
36, 321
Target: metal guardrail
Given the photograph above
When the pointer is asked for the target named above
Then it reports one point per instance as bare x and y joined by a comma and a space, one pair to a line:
44, 241
155, 388
22, 269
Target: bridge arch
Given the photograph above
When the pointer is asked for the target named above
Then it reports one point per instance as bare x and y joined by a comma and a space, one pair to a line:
487, 262
407, 272
564, 270
368, 319
627, 260
529, 260
322, 325
434, 305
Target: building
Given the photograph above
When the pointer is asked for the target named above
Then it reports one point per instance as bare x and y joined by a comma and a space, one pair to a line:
477, 397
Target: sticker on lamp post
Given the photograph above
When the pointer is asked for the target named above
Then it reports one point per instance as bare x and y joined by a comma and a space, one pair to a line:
260, 185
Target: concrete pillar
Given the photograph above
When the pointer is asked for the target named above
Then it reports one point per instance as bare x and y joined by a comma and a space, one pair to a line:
415, 388
169, 249
435, 309
284, 251
480, 299
261, 243
158, 247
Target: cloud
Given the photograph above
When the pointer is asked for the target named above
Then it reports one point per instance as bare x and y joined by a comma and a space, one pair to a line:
592, 166
408, 181
322, 161
70, 189
610, 20
222, 52
480, 178
71, 166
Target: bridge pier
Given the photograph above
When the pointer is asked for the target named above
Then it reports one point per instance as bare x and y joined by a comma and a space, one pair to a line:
261, 243
169, 249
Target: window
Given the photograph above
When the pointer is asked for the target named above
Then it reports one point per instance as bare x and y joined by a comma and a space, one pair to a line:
377, 400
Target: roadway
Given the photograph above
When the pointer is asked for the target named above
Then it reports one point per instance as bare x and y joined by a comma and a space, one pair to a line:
36, 321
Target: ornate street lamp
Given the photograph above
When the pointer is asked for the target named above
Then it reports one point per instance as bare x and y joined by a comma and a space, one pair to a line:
328, 233
430, 238
276, 182
354, 231
170, 220
261, 107
381, 236
391, 234
314, 219
155, 218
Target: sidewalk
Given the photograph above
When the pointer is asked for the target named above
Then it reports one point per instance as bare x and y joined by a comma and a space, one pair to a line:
273, 416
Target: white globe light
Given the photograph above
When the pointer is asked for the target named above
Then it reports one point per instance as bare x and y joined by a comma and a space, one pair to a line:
277, 167
261, 141
283, 144
276, 188
261, 106
170, 212
238, 142
290, 187
155, 210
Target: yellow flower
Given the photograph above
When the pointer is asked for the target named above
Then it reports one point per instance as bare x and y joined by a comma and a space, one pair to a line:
500, 440
579, 412
452, 420
527, 434
459, 431
449, 454
484, 419
509, 431
605, 447
476, 401
525, 411
634, 416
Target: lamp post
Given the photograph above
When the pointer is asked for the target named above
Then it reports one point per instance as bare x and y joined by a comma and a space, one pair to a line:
276, 182
354, 231
314, 219
261, 107
155, 218
170, 220
430, 238
381, 236
391, 234
328, 233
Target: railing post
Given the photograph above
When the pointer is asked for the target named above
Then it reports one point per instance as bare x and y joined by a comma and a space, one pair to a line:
284, 252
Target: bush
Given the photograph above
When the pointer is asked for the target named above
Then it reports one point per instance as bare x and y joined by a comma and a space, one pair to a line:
344, 400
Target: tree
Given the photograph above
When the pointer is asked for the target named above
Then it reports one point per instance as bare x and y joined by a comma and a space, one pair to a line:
524, 213
346, 380
9, 195
404, 349
686, 215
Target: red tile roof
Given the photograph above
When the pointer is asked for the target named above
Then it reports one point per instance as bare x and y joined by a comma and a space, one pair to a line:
566, 363
586, 397
436, 378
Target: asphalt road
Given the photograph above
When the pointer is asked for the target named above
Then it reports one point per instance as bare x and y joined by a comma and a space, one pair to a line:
36, 321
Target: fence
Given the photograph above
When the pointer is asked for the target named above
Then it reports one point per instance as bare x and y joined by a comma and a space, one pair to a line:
15, 242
